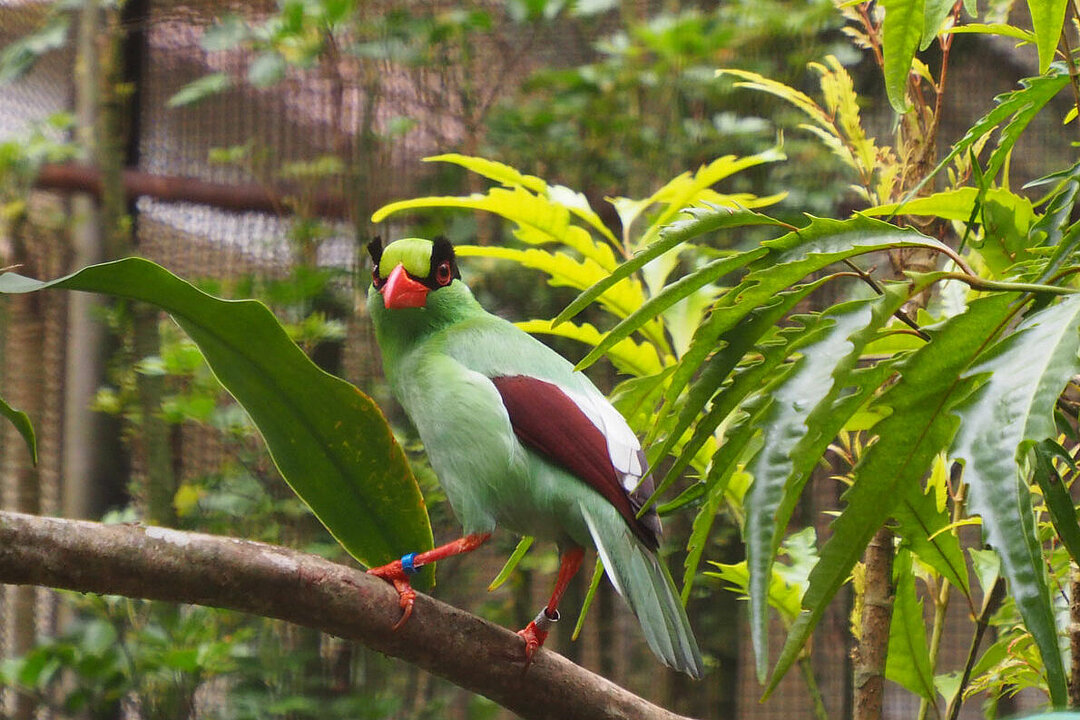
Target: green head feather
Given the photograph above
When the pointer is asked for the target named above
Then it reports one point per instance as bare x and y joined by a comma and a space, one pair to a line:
413, 253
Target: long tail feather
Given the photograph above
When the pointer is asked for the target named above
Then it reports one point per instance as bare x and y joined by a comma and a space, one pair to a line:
640, 577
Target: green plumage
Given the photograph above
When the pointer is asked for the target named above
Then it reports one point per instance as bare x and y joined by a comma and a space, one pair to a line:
439, 360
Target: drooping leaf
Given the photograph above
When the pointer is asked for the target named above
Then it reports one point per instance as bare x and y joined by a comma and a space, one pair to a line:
1056, 495
1012, 410
901, 36
1047, 19
908, 658
329, 440
918, 427
22, 423
934, 14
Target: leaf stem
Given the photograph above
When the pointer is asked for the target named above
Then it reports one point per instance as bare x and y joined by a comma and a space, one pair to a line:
807, 669
899, 314
990, 606
979, 283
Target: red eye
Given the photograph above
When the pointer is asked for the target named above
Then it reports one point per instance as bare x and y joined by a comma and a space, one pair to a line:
443, 273
377, 281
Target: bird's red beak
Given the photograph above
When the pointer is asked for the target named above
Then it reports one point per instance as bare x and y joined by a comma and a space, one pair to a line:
401, 291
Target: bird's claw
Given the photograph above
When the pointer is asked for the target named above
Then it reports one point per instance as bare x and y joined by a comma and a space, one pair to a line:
534, 639
394, 574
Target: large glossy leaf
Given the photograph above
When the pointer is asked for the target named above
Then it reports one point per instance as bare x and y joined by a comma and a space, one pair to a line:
919, 426
1012, 410
330, 441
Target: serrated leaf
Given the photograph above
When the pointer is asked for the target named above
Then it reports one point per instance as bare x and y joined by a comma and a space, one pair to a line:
731, 349
639, 359
808, 407
1047, 19
538, 219
908, 658
22, 423
1018, 107
901, 35
917, 429
787, 260
330, 441
699, 222
1013, 409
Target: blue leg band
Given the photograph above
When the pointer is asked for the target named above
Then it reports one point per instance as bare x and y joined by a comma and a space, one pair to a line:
407, 564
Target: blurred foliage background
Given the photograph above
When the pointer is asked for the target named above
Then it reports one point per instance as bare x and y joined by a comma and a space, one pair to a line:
295, 121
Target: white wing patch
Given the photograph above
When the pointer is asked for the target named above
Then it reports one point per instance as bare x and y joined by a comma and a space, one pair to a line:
624, 450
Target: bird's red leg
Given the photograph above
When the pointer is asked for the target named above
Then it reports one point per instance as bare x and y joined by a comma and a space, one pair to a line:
397, 573
536, 632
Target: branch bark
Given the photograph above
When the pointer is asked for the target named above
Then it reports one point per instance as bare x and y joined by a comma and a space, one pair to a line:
174, 188
164, 564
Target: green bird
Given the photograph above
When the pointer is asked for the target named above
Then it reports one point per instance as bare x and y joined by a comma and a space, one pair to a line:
518, 439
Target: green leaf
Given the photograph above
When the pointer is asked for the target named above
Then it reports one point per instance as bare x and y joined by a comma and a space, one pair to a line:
919, 525
918, 427
901, 35
934, 14
809, 407
1018, 108
22, 423
787, 260
1012, 410
1056, 495
512, 562
21, 54
700, 222
267, 69
732, 348
225, 34
329, 440
1009, 31
1047, 19
908, 659
198, 89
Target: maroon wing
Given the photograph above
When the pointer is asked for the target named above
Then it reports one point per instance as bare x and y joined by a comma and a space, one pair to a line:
549, 422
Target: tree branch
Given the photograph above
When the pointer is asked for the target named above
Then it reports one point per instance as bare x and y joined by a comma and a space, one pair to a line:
174, 566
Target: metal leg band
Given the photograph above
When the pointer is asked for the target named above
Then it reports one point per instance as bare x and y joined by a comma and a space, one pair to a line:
543, 621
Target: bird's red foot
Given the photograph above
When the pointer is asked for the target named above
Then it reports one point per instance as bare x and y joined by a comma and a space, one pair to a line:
394, 574
536, 632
